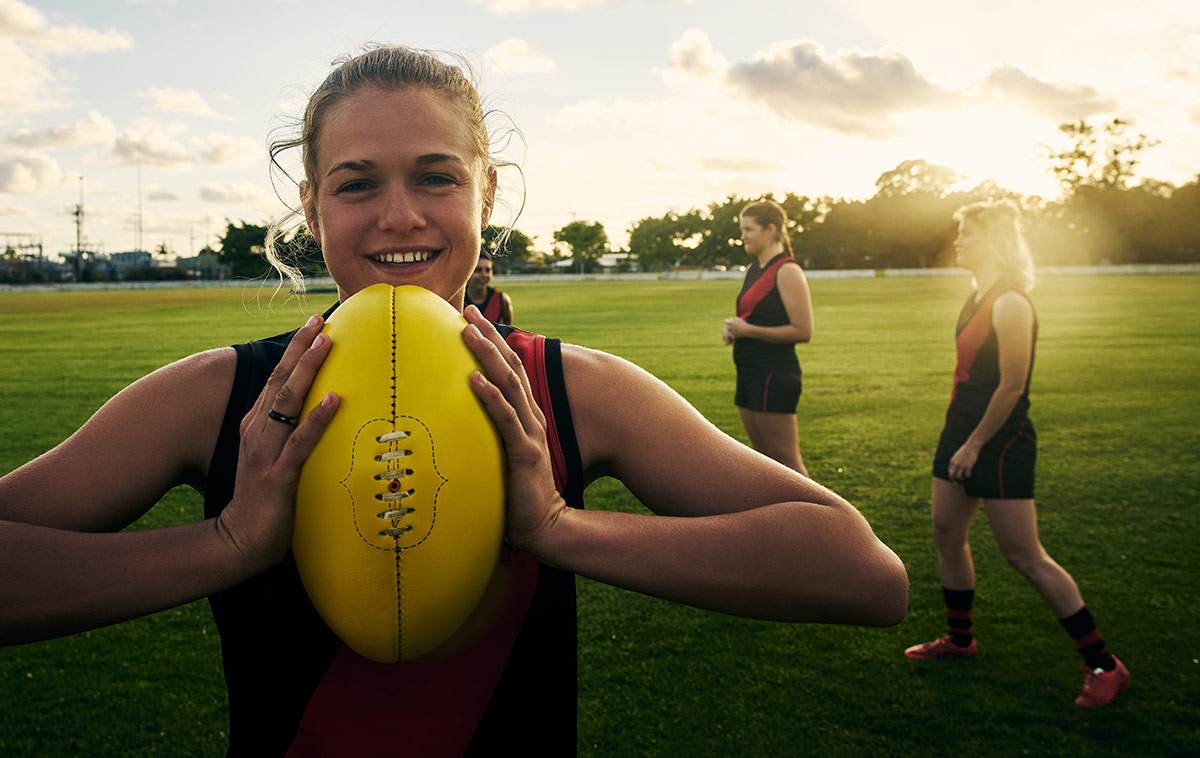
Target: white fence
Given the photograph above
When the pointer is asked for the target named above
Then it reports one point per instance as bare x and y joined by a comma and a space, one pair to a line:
327, 283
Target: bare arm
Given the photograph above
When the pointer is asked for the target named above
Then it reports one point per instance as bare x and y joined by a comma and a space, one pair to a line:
797, 301
1012, 318
61, 571
732, 531
506, 309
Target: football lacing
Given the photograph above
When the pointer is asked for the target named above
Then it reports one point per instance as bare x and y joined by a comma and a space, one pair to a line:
392, 476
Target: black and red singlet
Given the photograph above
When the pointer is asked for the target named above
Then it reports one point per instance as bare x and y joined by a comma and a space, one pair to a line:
759, 303
492, 306
295, 689
977, 371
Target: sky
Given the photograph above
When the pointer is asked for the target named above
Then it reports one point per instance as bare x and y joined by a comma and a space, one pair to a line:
157, 113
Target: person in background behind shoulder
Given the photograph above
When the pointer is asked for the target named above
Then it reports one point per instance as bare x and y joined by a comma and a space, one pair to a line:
496, 306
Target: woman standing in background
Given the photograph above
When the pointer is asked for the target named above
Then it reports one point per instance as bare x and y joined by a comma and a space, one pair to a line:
988, 449
774, 312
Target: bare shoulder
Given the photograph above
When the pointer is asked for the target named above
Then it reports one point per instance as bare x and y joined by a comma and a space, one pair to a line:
1012, 308
791, 273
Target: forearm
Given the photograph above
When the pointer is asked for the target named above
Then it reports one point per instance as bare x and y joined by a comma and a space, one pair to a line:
1001, 405
787, 334
786, 562
57, 582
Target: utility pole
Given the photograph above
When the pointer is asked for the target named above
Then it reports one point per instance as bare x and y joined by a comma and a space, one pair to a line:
139, 216
78, 213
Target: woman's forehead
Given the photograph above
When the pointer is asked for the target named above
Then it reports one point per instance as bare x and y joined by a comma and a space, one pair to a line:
414, 120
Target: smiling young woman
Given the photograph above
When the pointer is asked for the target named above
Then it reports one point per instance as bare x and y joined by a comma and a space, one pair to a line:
398, 186
774, 314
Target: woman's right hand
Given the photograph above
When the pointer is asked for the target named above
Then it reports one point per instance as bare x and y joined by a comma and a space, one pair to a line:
258, 520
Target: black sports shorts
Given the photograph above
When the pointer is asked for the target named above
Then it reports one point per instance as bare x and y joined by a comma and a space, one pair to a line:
768, 390
1005, 469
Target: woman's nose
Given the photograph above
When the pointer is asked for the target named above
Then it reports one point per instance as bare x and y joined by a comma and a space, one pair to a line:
401, 211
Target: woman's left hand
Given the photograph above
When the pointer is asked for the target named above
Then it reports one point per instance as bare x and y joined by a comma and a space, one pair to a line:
534, 503
735, 327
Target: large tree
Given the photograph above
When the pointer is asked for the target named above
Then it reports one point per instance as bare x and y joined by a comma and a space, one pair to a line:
1103, 156
659, 244
586, 240
513, 249
242, 249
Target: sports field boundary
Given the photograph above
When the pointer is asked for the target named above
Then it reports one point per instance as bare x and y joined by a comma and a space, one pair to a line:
324, 282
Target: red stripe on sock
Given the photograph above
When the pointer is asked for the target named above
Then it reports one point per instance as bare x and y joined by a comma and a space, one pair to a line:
951, 613
1091, 638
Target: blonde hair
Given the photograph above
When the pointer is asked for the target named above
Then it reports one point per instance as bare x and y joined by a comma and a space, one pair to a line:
767, 212
389, 67
1000, 223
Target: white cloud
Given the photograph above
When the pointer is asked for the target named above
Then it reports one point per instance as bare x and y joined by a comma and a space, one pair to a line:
505, 7
228, 150
26, 85
16, 210
516, 56
1062, 101
159, 195
693, 58
173, 100
740, 165
28, 24
24, 172
96, 129
235, 192
147, 143
852, 91
27, 41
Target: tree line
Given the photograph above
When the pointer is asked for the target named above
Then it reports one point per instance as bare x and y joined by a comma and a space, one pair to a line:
1102, 217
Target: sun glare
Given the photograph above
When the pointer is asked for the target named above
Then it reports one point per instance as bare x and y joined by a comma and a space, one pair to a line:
987, 143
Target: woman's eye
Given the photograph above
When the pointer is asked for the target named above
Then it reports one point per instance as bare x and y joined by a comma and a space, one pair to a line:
438, 180
354, 186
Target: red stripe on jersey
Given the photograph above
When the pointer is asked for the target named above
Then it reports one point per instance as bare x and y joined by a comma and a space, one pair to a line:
750, 299
532, 349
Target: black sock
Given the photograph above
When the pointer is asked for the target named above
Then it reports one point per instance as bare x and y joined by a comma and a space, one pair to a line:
958, 615
1083, 630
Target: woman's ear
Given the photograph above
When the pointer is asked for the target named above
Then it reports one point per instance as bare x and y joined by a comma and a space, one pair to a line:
489, 198
309, 204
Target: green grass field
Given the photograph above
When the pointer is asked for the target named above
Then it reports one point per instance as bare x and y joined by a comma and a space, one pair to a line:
1115, 399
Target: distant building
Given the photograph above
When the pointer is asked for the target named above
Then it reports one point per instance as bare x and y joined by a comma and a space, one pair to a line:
120, 263
206, 265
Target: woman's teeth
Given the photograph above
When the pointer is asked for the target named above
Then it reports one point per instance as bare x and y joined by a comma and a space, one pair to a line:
415, 257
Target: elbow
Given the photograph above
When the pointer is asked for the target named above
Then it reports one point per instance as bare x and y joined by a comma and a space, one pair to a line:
886, 590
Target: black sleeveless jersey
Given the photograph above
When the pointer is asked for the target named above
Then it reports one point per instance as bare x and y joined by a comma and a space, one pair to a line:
760, 304
977, 371
492, 306
295, 689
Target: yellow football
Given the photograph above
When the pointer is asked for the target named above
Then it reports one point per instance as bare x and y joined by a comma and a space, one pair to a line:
400, 509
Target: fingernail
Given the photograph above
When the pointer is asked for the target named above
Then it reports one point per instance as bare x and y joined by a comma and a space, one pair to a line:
312, 319
317, 340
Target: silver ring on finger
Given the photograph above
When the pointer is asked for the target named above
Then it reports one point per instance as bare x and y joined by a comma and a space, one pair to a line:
275, 415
